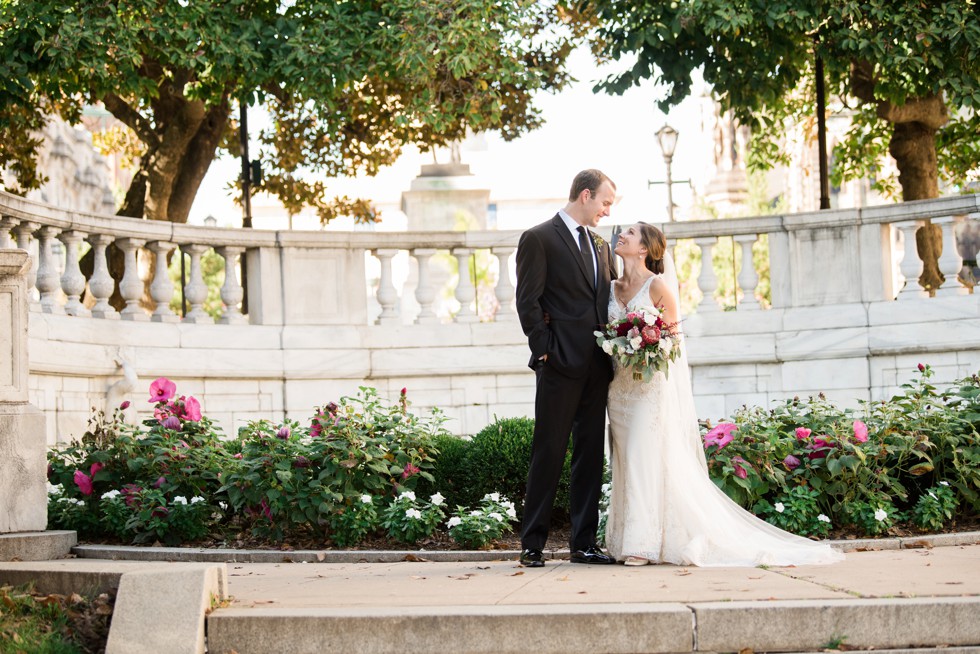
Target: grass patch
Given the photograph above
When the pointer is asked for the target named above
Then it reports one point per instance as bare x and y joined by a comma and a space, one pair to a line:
37, 623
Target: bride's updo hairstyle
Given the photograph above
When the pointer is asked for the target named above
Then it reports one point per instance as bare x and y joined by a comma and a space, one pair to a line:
656, 244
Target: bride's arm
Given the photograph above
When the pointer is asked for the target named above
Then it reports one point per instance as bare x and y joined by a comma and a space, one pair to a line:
661, 296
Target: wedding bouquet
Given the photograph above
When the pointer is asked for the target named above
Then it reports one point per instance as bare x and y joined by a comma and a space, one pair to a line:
642, 340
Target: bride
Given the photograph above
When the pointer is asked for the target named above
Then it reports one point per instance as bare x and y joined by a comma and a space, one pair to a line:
664, 508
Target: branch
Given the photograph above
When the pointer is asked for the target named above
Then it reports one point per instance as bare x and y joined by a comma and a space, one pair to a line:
929, 110
131, 118
863, 80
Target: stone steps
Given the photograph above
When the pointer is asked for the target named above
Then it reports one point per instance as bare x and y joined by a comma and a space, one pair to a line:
648, 628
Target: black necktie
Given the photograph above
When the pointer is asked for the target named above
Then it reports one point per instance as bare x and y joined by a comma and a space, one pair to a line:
583, 243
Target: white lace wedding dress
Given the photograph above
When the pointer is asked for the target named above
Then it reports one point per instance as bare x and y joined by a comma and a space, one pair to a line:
664, 507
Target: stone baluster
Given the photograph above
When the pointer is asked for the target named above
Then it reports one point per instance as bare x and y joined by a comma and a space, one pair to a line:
748, 278
707, 281
425, 292
6, 224
196, 290
48, 281
504, 289
911, 266
465, 291
950, 262
387, 294
232, 292
24, 232
72, 279
101, 284
131, 286
161, 288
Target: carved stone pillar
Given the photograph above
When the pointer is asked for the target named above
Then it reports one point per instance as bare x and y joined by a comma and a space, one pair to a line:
131, 286
465, 291
101, 284
232, 293
504, 289
748, 278
162, 288
425, 292
387, 295
707, 281
196, 290
48, 280
72, 280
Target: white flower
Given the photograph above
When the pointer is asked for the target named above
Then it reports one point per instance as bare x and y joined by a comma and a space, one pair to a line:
454, 521
944, 483
636, 342
493, 497
196, 499
496, 516
880, 515
932, 495
108, 495
665, 345
511, 513
407, 495
413, 513
606, 488
437, 499
486, 527
180, 499
366, 499
608, 347
222, 506
476, 513
507, 504
823, 518
54, 489
779, 507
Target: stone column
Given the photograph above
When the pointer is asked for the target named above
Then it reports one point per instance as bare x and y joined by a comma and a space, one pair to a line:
23, 491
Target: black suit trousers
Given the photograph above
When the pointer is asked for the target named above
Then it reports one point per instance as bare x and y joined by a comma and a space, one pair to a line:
567, 407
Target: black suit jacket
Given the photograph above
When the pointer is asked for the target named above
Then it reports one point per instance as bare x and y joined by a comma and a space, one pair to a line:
551, 276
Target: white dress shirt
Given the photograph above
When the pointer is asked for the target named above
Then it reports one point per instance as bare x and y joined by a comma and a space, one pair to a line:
573, 228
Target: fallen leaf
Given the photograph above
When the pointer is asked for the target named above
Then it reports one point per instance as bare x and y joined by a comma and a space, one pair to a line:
565, 578
416, 577
482, 567
518, 573
415, 559
746, 650
682, 573
320, 556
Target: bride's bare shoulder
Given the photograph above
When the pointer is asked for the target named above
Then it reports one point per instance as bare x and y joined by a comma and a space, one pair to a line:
661, 294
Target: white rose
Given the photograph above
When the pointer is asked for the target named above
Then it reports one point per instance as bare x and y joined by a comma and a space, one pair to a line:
636, 342
437, 499
454, 521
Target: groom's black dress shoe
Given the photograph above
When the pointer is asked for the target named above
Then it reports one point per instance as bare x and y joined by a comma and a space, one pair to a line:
592, 554
532, 558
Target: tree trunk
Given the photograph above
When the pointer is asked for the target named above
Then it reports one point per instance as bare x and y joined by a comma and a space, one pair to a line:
913, 146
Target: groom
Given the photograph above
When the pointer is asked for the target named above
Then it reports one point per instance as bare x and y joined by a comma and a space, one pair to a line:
564, 272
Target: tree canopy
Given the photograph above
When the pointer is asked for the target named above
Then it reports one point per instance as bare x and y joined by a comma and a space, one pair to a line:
347, 83
910, 72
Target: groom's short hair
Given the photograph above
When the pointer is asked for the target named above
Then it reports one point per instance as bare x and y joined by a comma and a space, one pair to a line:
591, 179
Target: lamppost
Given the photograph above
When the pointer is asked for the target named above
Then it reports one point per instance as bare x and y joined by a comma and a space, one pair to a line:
667, 140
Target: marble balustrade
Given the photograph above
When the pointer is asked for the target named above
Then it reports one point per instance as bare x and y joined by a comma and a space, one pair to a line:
329, 311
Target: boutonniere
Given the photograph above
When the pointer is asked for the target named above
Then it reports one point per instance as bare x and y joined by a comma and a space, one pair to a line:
599, 243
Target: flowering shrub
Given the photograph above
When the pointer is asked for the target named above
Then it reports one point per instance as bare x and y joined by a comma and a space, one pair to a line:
122, 480
477, 528
292, 480
866, 469
408, 521
935, 507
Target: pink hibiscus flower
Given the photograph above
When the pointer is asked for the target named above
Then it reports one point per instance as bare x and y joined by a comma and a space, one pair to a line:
192, 409
802, 433
84, 482
162, 389
860, 432
740, 472
721, 435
